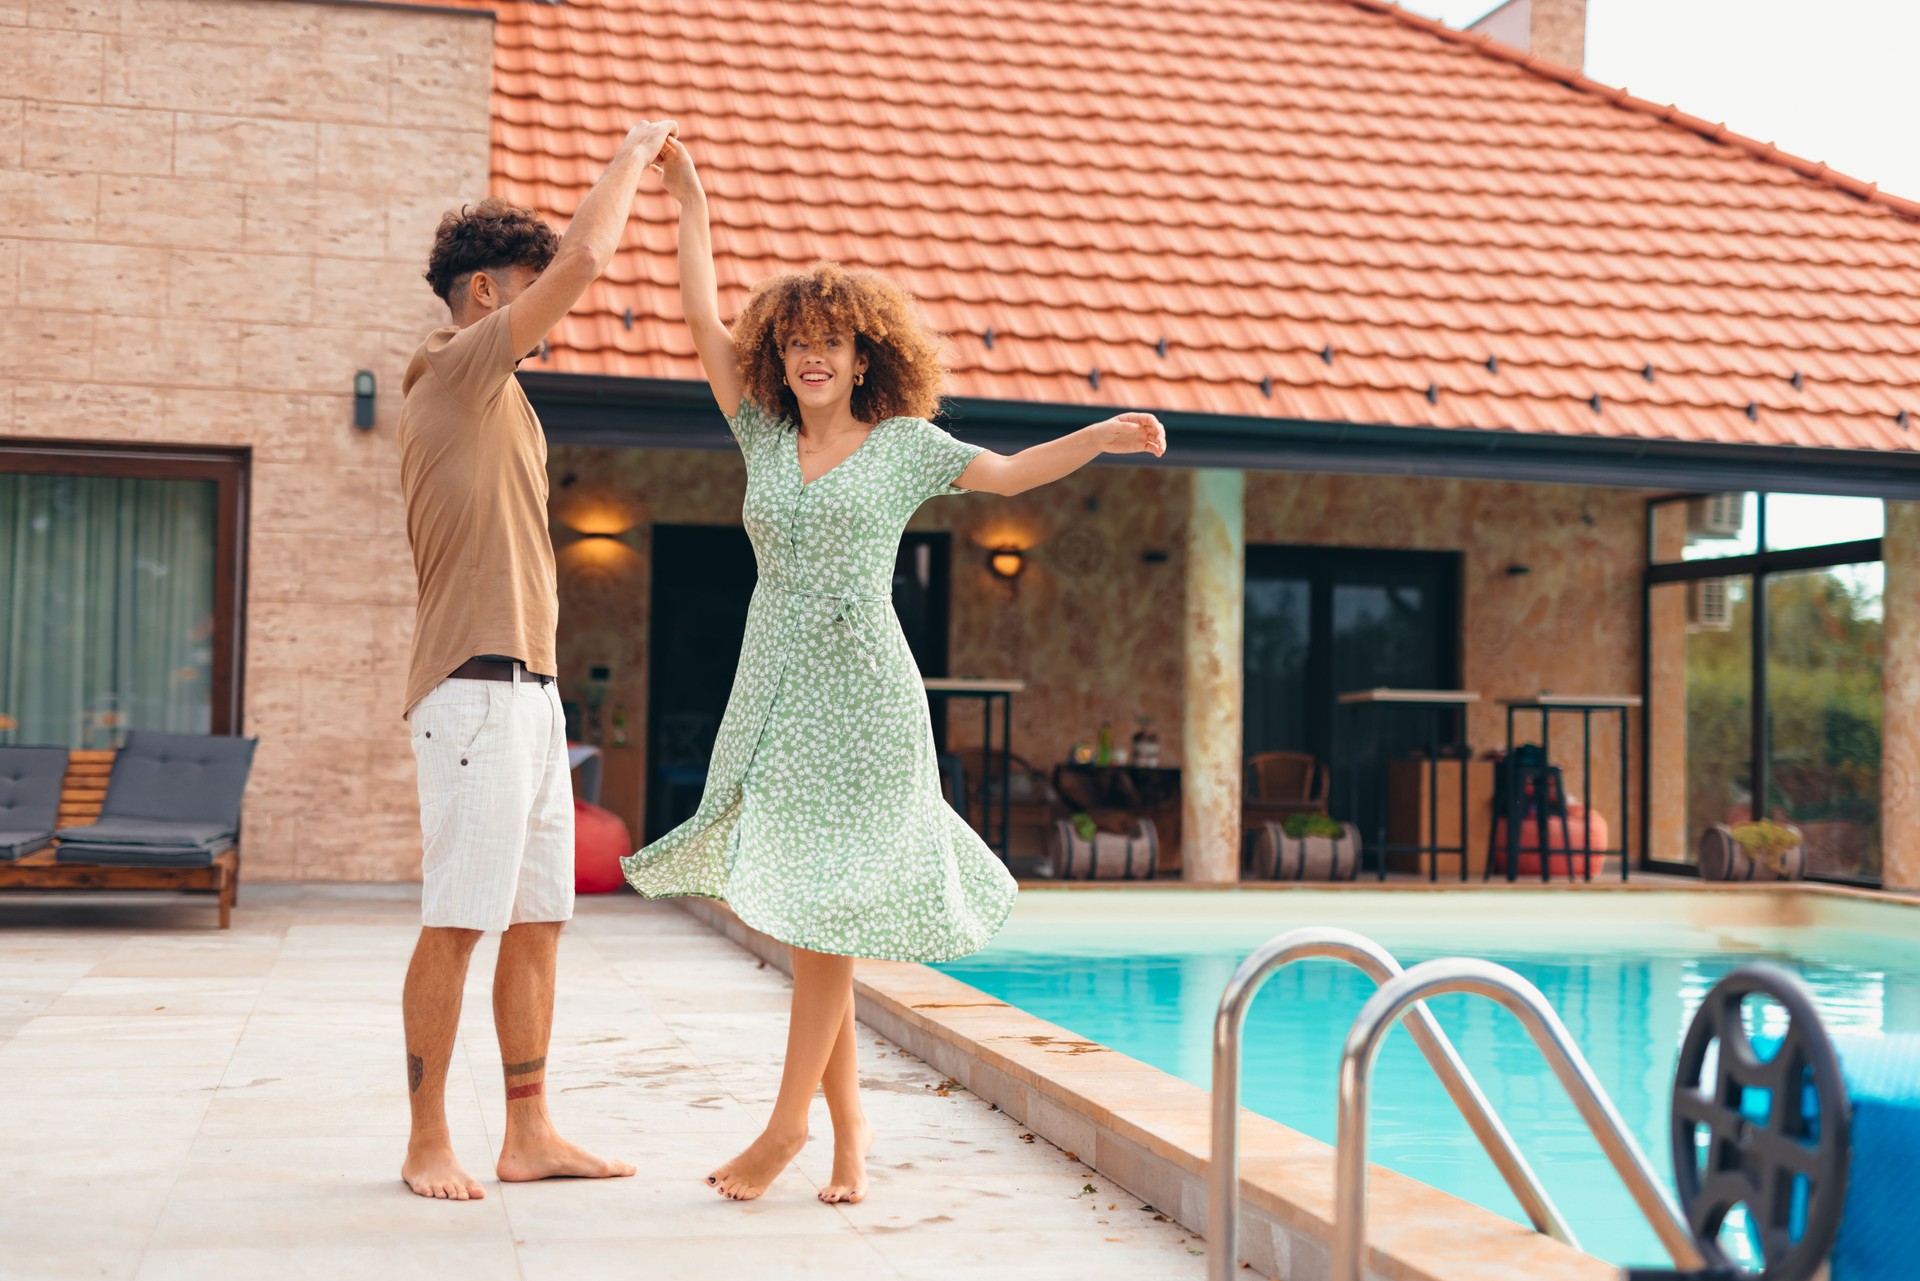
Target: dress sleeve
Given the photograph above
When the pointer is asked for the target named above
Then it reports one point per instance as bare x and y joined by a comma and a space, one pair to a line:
936, 459
749, 421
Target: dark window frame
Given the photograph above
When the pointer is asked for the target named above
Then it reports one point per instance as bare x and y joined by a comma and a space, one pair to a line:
1757, 566
230, 470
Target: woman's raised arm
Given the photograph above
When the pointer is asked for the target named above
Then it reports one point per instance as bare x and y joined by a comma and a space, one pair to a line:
991, 473
699, 290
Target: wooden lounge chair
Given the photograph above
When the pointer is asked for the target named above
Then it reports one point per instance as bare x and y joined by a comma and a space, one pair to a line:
163, 813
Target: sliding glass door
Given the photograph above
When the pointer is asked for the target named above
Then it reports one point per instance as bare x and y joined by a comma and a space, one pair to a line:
1324, 620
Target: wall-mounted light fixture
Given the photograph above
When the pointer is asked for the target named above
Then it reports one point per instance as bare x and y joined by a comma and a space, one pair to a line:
1006, 562
363, 399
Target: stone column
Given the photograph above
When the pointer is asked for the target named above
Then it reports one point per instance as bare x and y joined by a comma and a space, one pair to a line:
1900, 702
1212, 707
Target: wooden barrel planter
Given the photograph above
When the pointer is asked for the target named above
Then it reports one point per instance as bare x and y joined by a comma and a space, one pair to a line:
1275, 856
1106, 856
1722, 858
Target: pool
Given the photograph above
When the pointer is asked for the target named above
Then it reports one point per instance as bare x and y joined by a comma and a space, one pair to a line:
1141, 971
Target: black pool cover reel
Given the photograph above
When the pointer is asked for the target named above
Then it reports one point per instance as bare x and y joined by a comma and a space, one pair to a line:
1802, 1144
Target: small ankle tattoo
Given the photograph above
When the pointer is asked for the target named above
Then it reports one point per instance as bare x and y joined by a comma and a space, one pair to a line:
526, 1091
416, 1072
525, 1069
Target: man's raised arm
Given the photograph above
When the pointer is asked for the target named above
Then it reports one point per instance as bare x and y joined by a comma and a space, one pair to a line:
591, 238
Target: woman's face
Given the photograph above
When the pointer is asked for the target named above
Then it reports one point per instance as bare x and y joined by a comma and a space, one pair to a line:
821, 369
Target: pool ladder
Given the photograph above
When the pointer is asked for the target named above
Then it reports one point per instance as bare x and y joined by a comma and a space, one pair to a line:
1402, 995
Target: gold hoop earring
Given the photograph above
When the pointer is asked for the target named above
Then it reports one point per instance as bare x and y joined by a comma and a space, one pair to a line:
859, 379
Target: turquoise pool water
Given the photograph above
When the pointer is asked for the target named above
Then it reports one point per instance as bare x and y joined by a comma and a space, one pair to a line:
1626, 991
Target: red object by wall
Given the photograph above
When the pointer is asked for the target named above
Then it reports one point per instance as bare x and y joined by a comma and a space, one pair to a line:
600, 841
1528, 860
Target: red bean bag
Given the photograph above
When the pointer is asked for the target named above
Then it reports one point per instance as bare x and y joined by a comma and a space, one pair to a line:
1528, 860
599, 843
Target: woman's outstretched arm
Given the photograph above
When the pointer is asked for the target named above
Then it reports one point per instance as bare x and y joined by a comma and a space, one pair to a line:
991, 473
699, 290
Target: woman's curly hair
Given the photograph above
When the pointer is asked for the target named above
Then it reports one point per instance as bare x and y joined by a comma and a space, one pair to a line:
906, 368
489, 236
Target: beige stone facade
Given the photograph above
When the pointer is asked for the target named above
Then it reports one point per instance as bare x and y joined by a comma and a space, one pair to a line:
212, 213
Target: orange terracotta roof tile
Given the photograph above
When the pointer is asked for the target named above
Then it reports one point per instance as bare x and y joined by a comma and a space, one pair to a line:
1314, 209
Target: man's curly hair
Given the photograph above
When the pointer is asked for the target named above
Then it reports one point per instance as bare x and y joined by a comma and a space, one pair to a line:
906, 369
490, 236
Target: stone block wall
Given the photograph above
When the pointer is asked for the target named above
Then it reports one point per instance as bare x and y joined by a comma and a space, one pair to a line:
212, 213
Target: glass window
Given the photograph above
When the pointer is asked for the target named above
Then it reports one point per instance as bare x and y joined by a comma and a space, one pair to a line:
108, 599
1705, 527
1699, 711
1823, 713
1814, 520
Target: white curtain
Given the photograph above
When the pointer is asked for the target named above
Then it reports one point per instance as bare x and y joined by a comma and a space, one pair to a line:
106, 608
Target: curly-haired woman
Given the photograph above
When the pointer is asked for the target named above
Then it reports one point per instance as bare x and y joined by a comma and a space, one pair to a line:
822, 823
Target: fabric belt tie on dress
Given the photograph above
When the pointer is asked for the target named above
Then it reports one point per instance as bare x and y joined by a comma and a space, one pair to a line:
850, 612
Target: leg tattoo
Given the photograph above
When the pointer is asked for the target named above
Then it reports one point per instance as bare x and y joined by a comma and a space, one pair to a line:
526, 1091
525, 1069
416, 1072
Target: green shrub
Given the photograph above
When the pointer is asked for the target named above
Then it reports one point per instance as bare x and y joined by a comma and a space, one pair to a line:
1300, 826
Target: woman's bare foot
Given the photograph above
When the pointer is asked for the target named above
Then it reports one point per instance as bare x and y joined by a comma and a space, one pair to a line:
552, 1157
431, 1171
849, 1183
747, 1175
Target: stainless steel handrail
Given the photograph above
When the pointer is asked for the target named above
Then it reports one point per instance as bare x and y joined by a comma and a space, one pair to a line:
1498, 983
1223, 1175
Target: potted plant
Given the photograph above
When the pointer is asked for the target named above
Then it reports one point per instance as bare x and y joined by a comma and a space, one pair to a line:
1759, 851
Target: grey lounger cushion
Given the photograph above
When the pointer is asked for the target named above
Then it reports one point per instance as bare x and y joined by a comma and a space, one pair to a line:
15, 845
30, 781
152, 833
105, 855
180, 778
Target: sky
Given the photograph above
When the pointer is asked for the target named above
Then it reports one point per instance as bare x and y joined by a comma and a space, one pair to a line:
1828, 81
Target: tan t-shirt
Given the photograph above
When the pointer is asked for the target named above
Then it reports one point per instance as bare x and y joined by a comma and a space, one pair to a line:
473, 467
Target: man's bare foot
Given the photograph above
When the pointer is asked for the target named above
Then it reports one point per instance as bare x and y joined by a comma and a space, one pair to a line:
849, 1182
747, 1175
552, 1157
431, 1171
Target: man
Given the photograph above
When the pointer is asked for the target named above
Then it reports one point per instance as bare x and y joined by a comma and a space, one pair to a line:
496, 805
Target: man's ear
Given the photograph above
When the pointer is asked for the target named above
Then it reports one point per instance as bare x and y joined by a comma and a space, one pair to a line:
483, 291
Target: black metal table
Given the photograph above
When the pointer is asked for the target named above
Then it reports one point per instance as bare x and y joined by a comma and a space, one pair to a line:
1431, 700
1546, 705
987, 691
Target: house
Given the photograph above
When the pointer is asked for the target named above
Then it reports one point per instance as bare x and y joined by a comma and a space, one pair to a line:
1478, 375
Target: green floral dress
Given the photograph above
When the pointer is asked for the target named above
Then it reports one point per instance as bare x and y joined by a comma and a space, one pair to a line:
822, 823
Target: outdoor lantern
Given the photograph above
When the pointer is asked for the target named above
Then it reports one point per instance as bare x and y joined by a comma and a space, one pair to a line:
363, 398
1006, 562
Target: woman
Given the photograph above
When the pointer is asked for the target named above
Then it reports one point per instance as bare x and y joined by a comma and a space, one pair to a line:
822, 823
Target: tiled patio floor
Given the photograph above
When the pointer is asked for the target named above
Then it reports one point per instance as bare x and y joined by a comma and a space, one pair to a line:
186, 1103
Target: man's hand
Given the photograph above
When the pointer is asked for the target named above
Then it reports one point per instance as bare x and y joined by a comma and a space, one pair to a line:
1132, 434
648, 137
677, 172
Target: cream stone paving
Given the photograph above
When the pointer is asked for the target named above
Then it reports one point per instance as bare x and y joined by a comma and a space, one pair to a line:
200, 1105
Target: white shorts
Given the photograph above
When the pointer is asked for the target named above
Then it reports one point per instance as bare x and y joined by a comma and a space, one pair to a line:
496, 804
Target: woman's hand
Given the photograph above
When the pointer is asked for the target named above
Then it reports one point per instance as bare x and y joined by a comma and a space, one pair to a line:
1132, 434
647, 139
677, 172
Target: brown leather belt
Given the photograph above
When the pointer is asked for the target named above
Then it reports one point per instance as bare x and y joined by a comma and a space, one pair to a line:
495, 669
